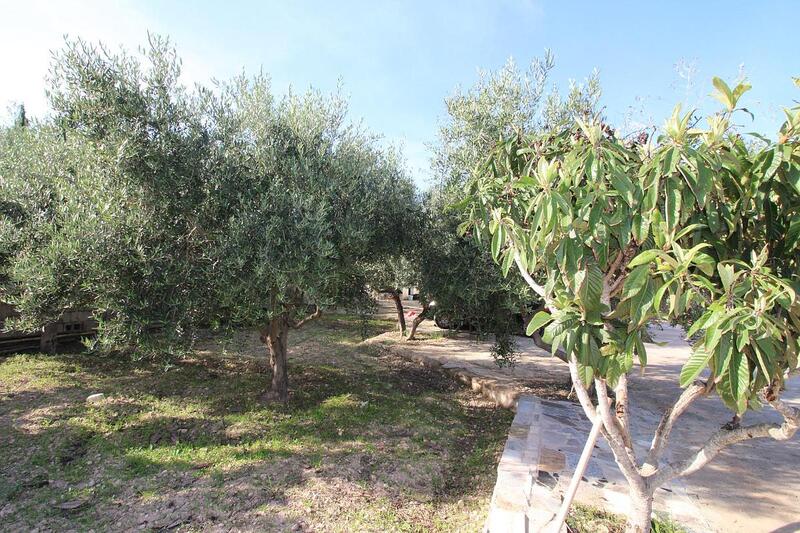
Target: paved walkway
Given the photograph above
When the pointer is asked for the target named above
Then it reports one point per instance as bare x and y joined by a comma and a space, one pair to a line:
752, 487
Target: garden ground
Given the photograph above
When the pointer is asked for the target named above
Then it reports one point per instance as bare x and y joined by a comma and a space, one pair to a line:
367, 442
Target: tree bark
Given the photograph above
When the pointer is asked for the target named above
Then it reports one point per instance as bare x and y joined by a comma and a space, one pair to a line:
275, 336
47, 342
398, 304
418, 320
727, 437
621, 409
640, 513
696, 390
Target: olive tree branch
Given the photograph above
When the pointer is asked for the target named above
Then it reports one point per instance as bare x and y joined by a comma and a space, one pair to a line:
316, 314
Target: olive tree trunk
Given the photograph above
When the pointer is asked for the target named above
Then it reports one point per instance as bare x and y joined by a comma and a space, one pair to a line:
275, 336
398, 304
48, 341
418, 320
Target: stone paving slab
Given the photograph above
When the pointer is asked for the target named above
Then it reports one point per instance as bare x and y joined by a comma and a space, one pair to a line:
749, 488
537, 464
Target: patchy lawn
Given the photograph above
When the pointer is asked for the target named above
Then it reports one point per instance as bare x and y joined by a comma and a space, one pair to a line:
367, 443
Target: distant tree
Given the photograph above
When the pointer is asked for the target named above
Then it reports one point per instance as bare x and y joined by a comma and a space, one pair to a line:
499, 104
392, 265
389, 276
463, 280
612, 234
21, 119
459, 275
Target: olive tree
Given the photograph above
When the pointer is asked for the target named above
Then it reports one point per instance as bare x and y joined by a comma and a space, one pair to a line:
454, 271
102, 205
463, 280
303, 198
613, 234
393, 263
501, 103
388, 275
162, 208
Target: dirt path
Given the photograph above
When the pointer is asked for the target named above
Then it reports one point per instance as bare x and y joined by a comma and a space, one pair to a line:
752, 487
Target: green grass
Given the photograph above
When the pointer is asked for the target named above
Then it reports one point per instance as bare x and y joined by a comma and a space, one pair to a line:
588, 519
367, 442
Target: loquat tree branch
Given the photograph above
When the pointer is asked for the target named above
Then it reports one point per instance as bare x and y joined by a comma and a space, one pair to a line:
627, 466
728, 437
618, 441
694, 391
538, 289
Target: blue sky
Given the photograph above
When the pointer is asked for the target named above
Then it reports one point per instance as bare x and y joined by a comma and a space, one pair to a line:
398, 60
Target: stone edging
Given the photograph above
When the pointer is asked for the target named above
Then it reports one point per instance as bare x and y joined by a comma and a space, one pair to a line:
519, 502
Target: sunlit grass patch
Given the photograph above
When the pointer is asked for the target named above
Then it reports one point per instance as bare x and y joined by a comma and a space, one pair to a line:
34, 372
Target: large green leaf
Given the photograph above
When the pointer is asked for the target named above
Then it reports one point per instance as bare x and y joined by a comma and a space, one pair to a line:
723, 354
498, 240
590, 291
705, 263
635, 281
641, 351
723, 93
672, 208
641, 304
623, 185
739, 380
766, 354
726, 275
712, 217
539, 319
693, 366
586, 374
704, 183
645, 258
508, 261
